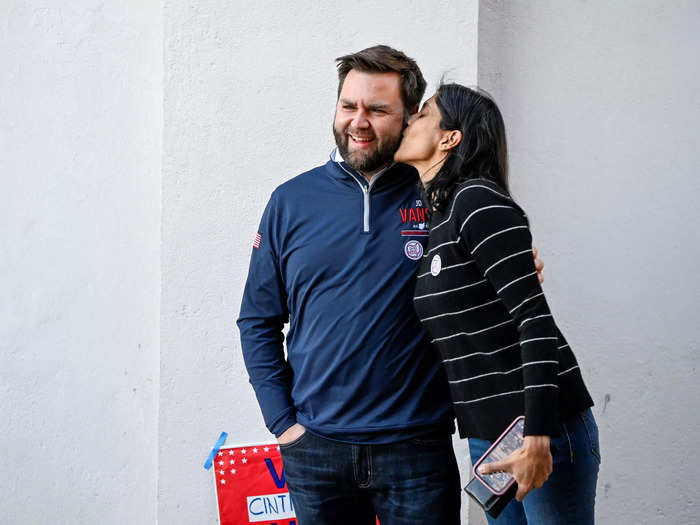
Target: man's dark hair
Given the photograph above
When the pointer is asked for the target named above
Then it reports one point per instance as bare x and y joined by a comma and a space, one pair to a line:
482, 153
384, 59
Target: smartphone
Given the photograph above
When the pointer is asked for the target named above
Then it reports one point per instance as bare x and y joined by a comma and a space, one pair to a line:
508, 442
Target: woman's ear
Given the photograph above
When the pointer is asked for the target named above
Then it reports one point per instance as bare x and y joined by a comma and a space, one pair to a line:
450, 139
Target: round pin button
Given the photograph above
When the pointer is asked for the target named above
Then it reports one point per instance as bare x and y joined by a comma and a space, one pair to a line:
436, 265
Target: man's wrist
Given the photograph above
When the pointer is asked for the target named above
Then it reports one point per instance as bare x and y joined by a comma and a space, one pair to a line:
291, 434
283, 421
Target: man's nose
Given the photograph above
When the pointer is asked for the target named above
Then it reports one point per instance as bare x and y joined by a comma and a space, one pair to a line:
360, 119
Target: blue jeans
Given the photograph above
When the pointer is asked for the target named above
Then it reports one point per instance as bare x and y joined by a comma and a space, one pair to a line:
409, 482
568, 496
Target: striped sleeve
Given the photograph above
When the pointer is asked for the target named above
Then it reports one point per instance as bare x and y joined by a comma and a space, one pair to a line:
494, 231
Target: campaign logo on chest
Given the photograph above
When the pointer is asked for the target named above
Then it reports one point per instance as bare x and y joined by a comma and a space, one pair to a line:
414, 220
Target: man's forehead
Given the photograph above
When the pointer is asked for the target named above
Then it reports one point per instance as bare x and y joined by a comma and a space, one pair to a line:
384, 88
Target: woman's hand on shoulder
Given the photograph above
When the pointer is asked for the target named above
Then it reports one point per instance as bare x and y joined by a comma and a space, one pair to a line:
530, 465
539, 265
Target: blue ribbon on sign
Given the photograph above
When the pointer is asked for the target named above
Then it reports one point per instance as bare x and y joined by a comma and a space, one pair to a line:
219, 443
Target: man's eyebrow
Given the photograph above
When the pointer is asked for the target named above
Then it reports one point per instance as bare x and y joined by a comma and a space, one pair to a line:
378, 105
347, 102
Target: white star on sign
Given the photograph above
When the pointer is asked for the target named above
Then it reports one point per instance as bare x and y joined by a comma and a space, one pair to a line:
255, 451
230, 452
221, 453
233, 461
223, 482
221, 472
244, 460
233, 471
278, 447
221, 462
242, 451
267, 449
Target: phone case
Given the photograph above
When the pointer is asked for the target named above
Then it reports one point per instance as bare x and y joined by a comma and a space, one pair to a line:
509, 441
491, 500
492, 503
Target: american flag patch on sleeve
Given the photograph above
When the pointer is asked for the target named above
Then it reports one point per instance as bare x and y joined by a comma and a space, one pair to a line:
256, 242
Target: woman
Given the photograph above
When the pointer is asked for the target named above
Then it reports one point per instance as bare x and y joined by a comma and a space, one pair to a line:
480, 300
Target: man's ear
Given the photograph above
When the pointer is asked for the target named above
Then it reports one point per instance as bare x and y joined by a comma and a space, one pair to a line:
450, 139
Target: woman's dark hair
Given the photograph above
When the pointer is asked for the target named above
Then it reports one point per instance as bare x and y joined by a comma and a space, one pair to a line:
482, 153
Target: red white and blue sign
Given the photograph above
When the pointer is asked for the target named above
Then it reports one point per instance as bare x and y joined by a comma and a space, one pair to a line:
250, 486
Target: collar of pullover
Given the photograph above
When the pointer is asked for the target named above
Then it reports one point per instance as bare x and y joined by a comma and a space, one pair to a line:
345, 169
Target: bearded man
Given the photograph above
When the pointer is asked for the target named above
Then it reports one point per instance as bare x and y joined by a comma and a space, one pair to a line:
360, 405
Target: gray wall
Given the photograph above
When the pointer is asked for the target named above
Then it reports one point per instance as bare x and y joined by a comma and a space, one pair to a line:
249, 100
602, 107
80, 144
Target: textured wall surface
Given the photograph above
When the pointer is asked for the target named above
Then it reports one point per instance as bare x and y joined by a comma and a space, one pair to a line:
80, 146
113, 389
602, 107
249, 100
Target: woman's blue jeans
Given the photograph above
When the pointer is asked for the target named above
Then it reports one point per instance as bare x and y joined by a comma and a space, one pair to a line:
568, 496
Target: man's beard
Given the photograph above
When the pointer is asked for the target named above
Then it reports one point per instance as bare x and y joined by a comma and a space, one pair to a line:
366, 161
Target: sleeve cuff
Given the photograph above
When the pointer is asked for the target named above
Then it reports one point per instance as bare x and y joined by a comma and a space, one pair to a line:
283, 421
542, 412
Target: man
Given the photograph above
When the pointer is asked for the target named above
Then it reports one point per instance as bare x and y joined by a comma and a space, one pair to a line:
360, 406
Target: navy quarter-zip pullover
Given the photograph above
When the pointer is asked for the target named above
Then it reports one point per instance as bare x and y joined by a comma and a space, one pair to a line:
336, 257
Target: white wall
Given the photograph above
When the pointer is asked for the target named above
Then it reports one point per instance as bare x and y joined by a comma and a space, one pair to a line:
249, 100
80, 146
602, 107
221, 102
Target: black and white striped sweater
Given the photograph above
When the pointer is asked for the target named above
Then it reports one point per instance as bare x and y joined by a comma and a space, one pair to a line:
479, 298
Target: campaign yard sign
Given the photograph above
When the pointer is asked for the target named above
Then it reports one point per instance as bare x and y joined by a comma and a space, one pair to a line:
250, 486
